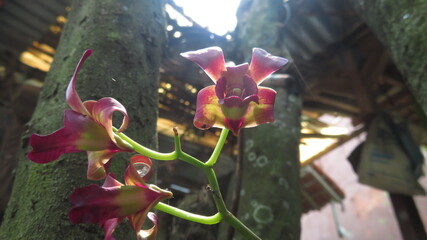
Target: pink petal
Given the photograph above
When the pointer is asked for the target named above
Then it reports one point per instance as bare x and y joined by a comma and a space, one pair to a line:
255, 114
79, 133
50, 147
234, 110
97, 160
89, 105
147, 199
208, 110
111, 181
109, 227
71, 96
102, 112
234, 125
68, 139
211, 60
250, 87
111, 224
235, 76
220, 89
92, 136
264, 111
252, 98
138, 219
139, 170
151, 233
95, 204
263, 64
232, 102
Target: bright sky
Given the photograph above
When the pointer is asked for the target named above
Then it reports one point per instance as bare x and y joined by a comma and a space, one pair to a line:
219, 16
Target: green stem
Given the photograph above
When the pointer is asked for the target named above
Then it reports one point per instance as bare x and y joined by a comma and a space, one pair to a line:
217, 196
209, 220
240, 227
222, 208
146, 151
218, 148
184, 156
213, 182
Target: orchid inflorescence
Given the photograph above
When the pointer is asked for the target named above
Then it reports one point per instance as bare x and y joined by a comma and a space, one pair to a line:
234, 102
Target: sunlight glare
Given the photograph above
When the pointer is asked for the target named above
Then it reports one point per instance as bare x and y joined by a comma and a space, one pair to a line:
219, 16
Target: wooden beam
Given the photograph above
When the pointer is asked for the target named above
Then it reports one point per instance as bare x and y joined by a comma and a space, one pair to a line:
375, 66
340, 142
317, 135
365, 100
408, 217
324, 108
338, 104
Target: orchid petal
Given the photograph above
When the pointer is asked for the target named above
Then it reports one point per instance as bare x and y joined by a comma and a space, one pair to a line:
93, 136
260, 110
151, 233
109, 226
137, 220
157, 195
139, 170
252, 98
48, 148
220, 89
234, 110
109, 203
102, 112
211, 60
232, 102
263, 112
235, 75
208, 110
263, 64
111, 181
250, 87
234, 125
89, 105
79, 133
97, 160
71, 96
95, 204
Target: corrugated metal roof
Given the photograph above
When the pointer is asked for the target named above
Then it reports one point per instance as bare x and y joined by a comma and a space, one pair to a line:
314, 25
23, 22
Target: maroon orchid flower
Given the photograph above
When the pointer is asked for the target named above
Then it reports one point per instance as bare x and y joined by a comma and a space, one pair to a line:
236, 101
87, 127
108, 204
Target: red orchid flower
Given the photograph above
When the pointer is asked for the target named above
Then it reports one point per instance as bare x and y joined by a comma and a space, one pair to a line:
108, 204
87, 127
236, 101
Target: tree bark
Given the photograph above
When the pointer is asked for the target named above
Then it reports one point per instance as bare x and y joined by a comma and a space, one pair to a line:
270, 194
127, 38
401, 26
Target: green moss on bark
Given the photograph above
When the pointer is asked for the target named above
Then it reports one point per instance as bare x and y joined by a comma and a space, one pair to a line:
270, 193
127, 38
402, 27
269, 196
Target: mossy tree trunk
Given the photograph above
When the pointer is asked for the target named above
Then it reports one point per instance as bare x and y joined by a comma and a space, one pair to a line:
269, 194
127, 38
269, 201
402, 27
